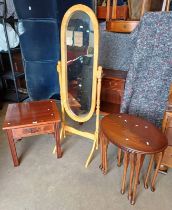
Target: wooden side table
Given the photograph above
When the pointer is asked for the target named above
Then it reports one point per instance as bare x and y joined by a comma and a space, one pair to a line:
30, 119
136, 138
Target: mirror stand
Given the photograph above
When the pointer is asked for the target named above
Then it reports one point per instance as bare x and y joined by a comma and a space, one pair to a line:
79, 73
66, 128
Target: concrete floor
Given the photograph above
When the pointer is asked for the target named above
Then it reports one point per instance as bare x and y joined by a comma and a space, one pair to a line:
43, 182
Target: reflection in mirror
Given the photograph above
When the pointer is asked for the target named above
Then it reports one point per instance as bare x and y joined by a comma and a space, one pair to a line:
80, 50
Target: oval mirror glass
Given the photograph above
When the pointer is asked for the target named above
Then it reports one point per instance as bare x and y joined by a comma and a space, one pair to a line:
80, 56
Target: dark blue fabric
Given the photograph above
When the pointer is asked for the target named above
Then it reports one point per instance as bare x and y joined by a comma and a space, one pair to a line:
39, 40
27, 9
120, 2
41, 79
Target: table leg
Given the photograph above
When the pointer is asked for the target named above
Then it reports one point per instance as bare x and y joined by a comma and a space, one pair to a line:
105, 147
156, 172
12, 147
102, 152
119, 157
132, 167
148, 171
126, 161
138, 164
57, 137
141, 164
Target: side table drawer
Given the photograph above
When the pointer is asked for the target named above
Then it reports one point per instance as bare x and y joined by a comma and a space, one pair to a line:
31, 131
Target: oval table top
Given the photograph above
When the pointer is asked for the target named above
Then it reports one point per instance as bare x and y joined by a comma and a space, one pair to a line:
133, 134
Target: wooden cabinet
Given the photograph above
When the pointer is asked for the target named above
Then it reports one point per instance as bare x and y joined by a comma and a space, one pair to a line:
167, 127
113, 83
167, 158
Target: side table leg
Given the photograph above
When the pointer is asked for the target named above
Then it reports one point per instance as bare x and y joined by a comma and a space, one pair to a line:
105, 147
156, 172
119, 157
148, 171
12, 147
102, 152
132, 167
138, 165
57, 137
126, 161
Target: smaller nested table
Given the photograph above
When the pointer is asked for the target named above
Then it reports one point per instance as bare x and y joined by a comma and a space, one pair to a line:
30, 119
136, 138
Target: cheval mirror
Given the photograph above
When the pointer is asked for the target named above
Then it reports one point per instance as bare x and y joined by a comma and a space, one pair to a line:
79, 74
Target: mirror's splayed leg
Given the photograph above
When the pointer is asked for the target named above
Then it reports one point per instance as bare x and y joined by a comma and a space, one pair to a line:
91, 154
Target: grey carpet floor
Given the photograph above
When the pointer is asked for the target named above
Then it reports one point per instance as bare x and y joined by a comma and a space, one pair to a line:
43, 182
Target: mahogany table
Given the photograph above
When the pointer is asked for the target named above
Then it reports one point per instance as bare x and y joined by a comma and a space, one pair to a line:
136, 137
30, 119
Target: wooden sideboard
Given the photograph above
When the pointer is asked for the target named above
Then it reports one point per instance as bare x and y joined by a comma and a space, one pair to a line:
113, 83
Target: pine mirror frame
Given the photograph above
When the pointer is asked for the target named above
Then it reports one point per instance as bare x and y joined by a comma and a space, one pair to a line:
64, 85
96, 85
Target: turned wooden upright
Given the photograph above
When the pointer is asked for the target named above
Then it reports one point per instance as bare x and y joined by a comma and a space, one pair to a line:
136, 138
30, 119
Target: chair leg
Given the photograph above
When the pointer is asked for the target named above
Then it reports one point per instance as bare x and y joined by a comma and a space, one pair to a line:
126, 161
148, 171
156, 172
132, 167
119, 157
138, 164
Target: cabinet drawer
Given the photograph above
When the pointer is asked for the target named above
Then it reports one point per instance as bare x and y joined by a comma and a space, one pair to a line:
112, 96
112, 84
167, 159
112, 90
30, 131
169, 135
